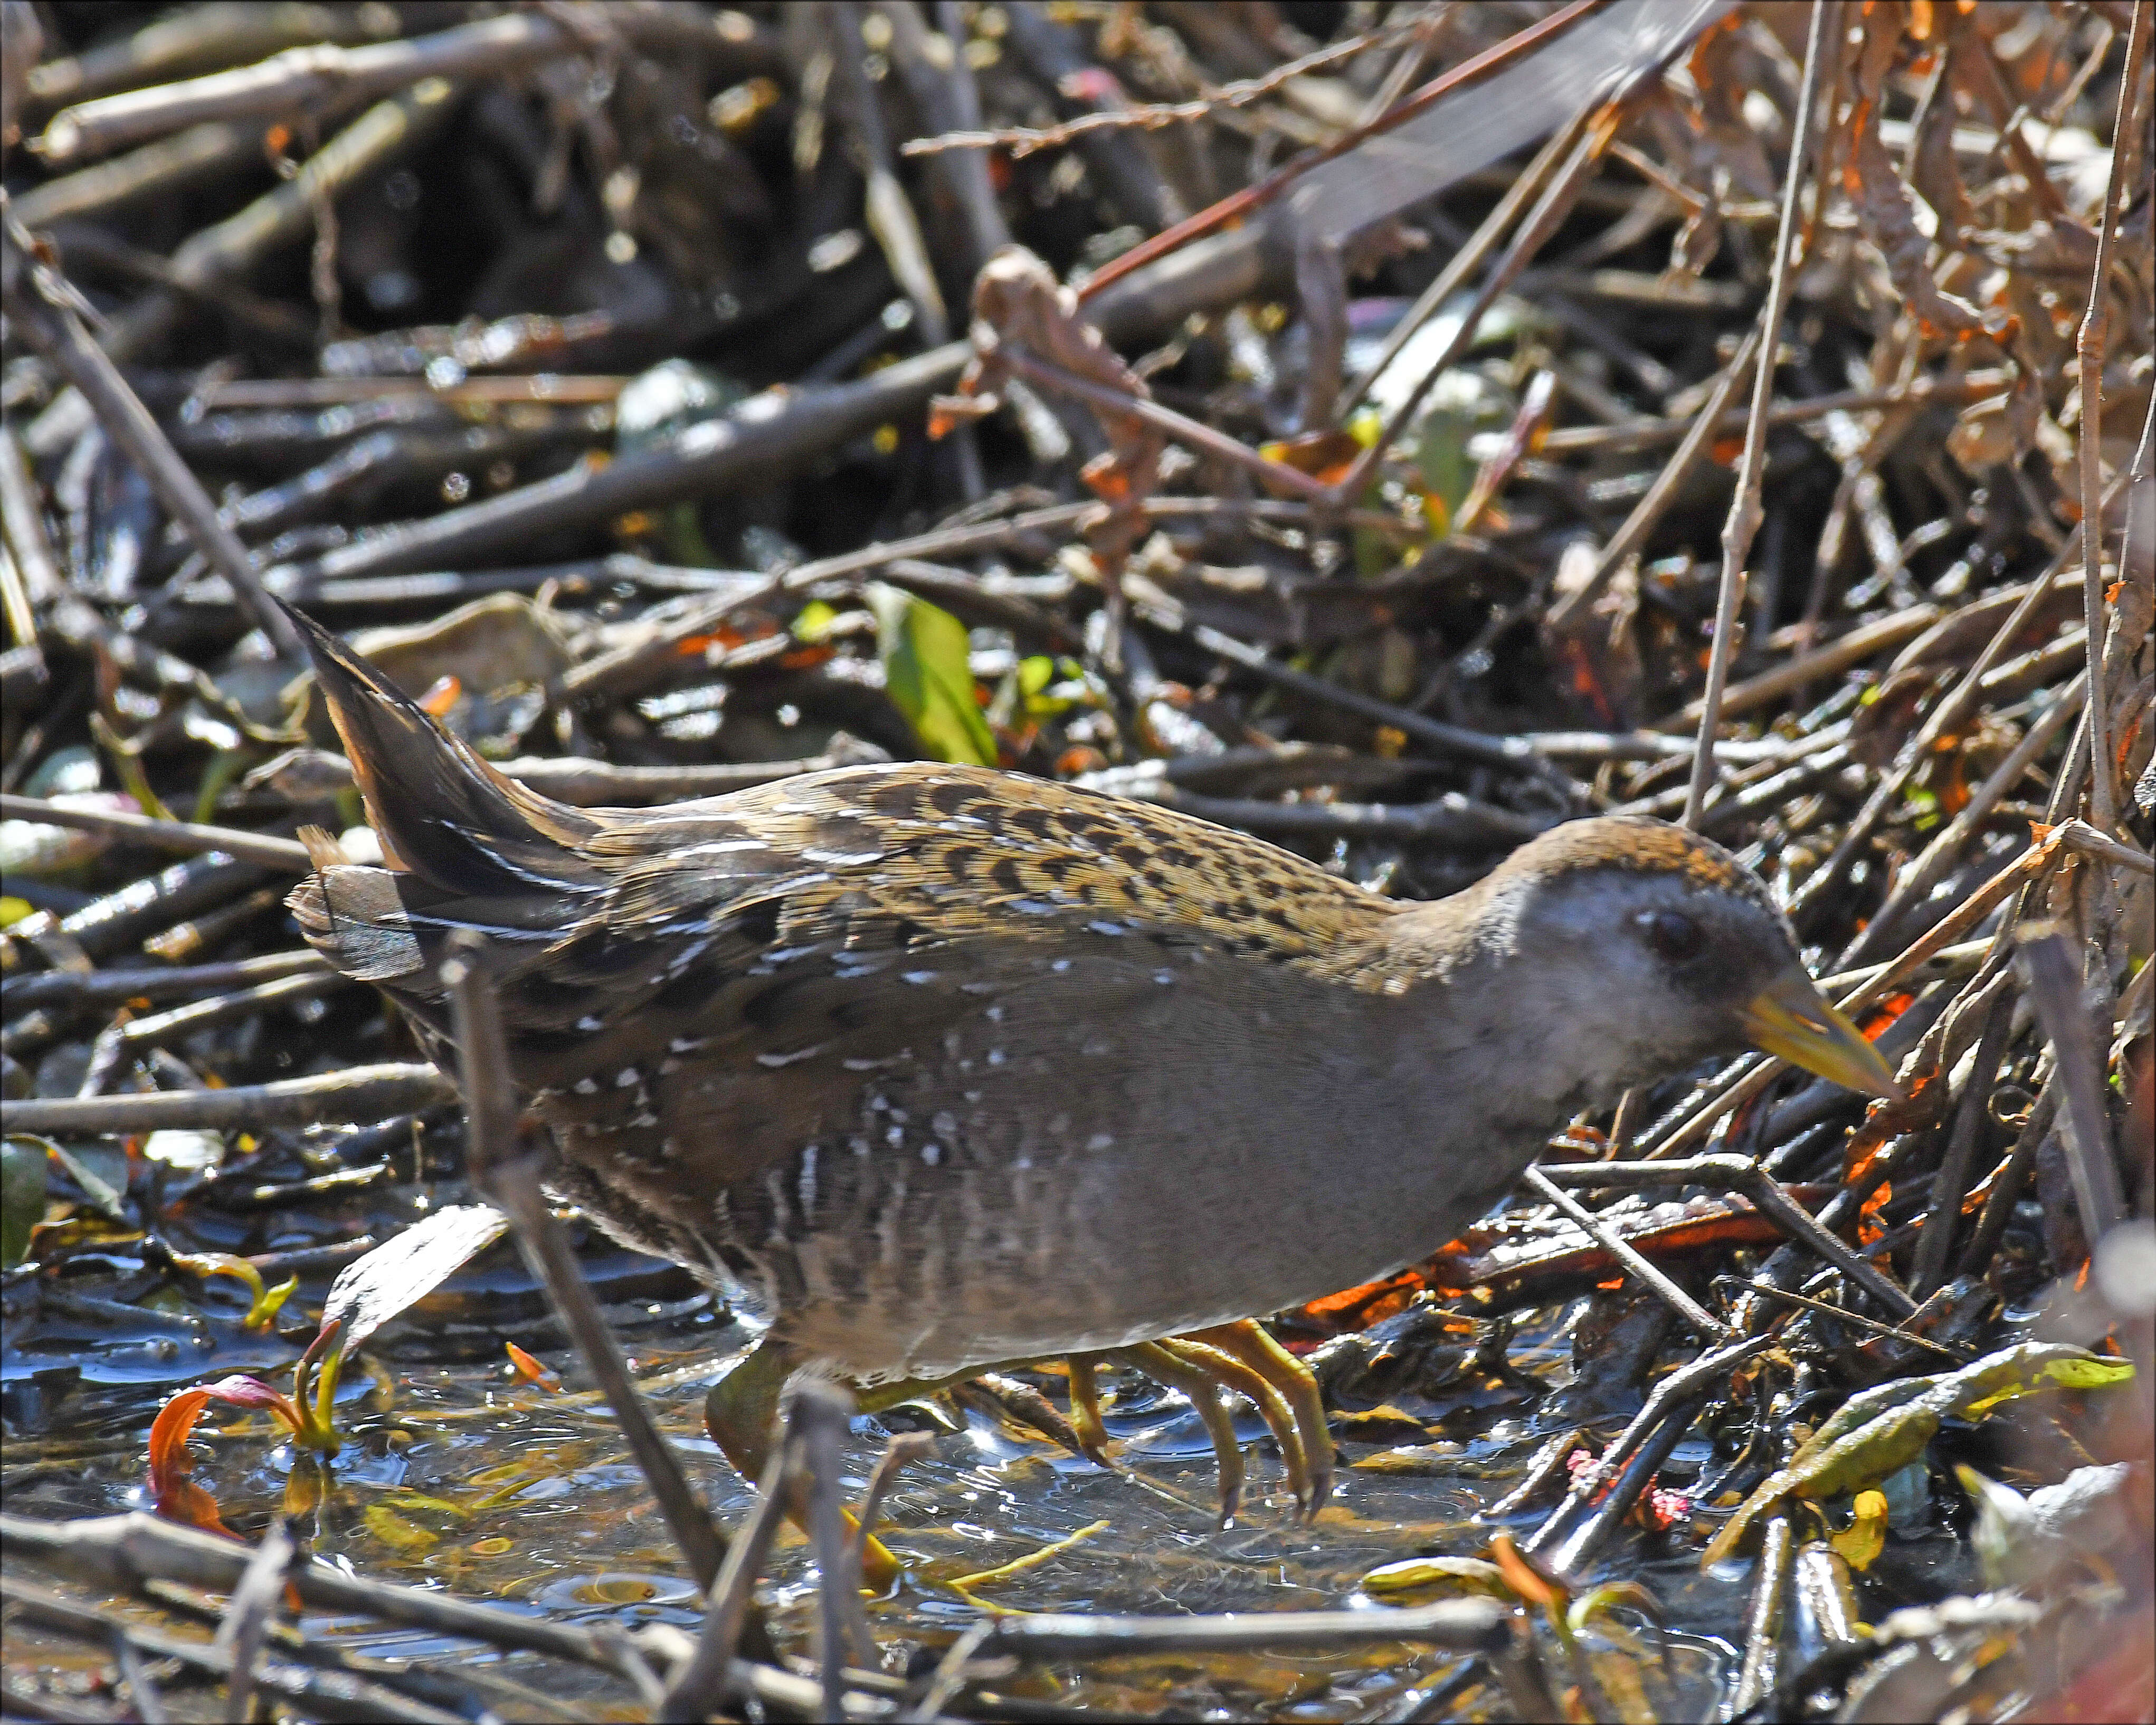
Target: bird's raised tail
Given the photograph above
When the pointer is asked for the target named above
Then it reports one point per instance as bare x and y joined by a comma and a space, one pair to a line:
465, 847
442, 813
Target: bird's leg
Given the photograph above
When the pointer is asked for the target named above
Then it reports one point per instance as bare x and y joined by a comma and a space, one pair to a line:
741, 1410
1203, 1389
1085, 1411
741, 1413
1254, 1345
1231, 1374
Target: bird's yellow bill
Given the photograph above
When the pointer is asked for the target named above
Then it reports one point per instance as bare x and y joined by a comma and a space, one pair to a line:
1791, 1019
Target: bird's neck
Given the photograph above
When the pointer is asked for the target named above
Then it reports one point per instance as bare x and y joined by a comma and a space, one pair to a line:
1465, 996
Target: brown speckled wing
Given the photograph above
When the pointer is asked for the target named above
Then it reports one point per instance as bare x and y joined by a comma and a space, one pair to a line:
955, 853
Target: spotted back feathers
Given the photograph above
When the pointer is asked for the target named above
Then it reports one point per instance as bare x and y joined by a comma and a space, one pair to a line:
957, 853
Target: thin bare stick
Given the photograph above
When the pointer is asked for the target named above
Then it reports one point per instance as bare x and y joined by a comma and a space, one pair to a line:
1950, 1185
1464, 262
250, 1611
1549, 212
2088, 347
1681, 1386
1180, 426
2079, 835
1645, 433
818, 1409
302, 79
41, 307
1953, 708
1650, 509
1463, 1625
42, 580
1745, 513
1841, 1315
2055, 989
510, 1180
1153, 116
353, 1093
899, 1449
1915, 882
1704, 1324
1739, 1174
289, 855
1242, 203
699, 1683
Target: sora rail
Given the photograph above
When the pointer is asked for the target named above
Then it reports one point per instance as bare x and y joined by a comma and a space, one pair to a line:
939, 1067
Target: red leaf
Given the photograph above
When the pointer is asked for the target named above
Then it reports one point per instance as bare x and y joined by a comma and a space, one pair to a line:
176, 1496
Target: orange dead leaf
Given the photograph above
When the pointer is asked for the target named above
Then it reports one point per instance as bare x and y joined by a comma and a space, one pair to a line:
1869, 1227
1522, 1576
1324, 455
176, 1496
531, 1370
1107, 479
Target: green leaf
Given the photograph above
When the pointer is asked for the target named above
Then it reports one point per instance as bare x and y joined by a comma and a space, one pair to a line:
2094, 1374
1879, 1431
22, 1196
1413, 1574
813, 622
929, 676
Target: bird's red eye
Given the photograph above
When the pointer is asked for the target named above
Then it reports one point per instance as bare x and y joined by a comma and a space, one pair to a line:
1672, 937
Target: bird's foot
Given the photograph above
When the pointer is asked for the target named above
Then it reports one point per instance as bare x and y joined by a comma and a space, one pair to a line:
1256, 1347
1244, 1358
1201, 1385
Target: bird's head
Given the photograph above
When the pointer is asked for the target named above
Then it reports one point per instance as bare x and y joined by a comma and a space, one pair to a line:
1642, 949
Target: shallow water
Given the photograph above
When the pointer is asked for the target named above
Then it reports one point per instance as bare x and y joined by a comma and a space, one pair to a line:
459, 1476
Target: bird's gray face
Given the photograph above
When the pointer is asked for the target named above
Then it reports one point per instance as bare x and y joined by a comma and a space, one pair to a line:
1640, 973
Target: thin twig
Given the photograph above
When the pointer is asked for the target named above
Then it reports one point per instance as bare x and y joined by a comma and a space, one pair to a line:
1550, 210
1462, 1625
1464, 262
1739, 1174
1242, 204
1950, 1185
252, 1609
360, 1093
307, 78
41, 307
1647, 513
2055, 989
698, 1684
1763, 1618
1944, 720
1703, 1323
1914, 883
1022, 141
818, 1410
509, 1180
1841, 1314
1745, 512
287, 854
2089, 342
2079, 835
1673, 1391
